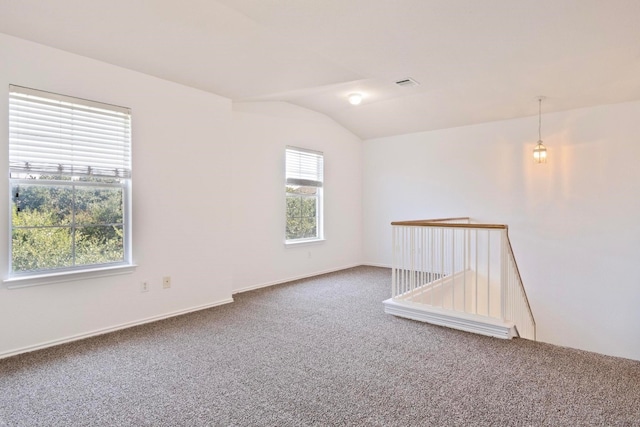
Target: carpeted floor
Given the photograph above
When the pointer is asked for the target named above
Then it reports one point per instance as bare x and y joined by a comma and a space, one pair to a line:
318, 351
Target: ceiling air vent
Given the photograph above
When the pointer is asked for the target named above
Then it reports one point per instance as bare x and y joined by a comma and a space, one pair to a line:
408, 82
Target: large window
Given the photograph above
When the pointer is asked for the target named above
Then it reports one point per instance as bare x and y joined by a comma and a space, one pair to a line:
304, 172
70, 180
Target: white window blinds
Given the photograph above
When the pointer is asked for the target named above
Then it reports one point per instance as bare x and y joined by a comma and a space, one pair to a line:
304, 167
61, 135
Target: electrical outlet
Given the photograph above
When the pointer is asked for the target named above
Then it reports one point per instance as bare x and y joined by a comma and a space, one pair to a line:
144, 286
166, 282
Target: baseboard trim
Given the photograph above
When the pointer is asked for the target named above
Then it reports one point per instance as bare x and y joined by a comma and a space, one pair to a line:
107, 330
375, 264
291, 279
461, 321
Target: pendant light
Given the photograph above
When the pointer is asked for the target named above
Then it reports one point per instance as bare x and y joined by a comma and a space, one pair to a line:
540, 151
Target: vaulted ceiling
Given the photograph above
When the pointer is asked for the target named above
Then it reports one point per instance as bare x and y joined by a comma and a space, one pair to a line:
476, 61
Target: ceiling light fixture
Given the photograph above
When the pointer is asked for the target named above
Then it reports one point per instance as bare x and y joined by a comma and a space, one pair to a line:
355, 99
540, 151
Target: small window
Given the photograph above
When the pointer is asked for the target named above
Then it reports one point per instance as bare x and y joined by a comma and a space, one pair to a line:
70, 181
304, 174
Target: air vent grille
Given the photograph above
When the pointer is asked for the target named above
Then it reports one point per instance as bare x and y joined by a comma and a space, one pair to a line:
407, 82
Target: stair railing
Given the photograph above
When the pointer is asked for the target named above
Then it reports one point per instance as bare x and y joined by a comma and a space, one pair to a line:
458, 266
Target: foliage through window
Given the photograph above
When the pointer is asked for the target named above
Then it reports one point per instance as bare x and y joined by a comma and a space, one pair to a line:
70, 178
304, 179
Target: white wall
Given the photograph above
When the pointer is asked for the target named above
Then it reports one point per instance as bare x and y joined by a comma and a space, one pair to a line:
181, 199
209, 204
262, 131
208, 199
574, 222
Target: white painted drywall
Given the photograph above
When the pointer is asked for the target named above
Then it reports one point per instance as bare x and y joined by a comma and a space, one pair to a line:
209, 205
208, 199
574, 222
181, 198
261, 132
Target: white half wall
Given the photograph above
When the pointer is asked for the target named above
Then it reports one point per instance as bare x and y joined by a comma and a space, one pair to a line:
181, 201
262, 130
573, 222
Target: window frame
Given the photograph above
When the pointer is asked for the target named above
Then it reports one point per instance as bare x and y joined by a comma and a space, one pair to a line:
121, 179
318, 184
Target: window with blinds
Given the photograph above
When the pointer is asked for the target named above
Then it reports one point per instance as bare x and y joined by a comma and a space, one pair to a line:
303, 189
70, 180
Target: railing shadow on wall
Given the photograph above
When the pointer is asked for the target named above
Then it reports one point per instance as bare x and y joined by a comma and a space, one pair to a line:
456, 266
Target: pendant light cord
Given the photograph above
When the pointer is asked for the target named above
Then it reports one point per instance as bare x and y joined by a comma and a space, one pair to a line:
539, 119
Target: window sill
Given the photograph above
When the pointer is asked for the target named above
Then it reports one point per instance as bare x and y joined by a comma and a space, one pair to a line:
67, 276
303, 242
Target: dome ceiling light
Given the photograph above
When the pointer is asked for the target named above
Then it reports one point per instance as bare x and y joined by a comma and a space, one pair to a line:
355, 98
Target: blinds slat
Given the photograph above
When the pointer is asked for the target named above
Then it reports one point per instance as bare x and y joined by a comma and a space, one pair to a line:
35, 94
56, 150
68, 115
304, 182
44, 135
23, 119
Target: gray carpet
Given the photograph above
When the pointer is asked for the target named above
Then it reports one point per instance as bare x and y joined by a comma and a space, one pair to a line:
318, 351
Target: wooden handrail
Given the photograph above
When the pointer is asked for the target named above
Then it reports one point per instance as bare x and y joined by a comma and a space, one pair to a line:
524, 291
441, 223
462, 218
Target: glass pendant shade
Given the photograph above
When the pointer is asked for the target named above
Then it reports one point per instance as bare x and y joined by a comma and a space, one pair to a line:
540, 153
